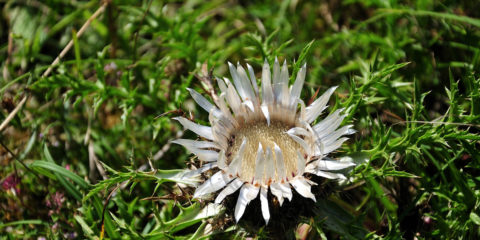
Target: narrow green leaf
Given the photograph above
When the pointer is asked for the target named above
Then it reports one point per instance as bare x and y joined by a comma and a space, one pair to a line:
62, 171
6, 86
29, 145
301, 59
475, 218
22, 222
394, 173
381, 195
78, 58
86, 229
385, 12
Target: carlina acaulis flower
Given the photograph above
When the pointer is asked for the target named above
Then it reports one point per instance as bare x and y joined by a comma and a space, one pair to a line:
261, 138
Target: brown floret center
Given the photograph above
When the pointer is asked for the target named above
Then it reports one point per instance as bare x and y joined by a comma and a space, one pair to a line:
267, 135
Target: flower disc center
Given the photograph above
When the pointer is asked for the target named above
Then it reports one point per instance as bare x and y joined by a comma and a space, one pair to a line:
268, 136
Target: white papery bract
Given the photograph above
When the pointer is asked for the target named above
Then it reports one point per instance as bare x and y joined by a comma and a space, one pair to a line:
261, 138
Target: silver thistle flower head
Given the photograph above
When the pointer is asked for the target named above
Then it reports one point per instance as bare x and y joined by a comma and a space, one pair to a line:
261, 138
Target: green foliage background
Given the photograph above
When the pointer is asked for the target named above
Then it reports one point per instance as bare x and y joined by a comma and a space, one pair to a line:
408, 76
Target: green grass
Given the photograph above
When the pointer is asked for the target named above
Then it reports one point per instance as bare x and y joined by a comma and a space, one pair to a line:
82, 145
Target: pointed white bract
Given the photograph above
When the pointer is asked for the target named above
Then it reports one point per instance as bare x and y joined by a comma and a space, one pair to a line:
261, 138
300, 164
264, 204
196, 172
260, 165
266, 113
247, 194
253, 79
276, 190
325, 174
301, 142
331, 165
203, 102
202, 131
286, 191
280, 164
187, 143
297, 86
231, 188
270, 163
213, 184
222, 160
302, 187
234, 167
267, 91
298, 131
316, 108
246, 84
249, 104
